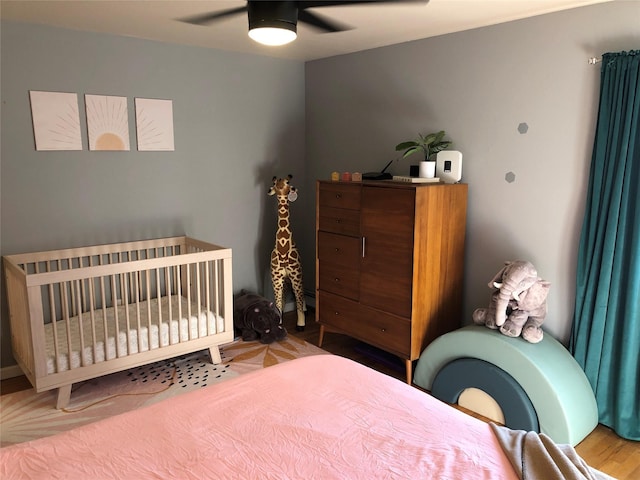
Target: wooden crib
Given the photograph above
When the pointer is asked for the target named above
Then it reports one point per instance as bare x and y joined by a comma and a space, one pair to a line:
80, 313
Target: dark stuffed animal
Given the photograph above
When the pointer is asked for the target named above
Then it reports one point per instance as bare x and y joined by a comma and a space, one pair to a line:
257, 318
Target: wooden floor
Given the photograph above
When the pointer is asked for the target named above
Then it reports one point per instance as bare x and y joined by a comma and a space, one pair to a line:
602, 449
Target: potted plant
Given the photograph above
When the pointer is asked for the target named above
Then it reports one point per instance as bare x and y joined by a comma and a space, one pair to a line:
429, 145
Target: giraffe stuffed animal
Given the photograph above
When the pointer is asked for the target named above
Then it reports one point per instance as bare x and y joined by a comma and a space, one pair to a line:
285, 259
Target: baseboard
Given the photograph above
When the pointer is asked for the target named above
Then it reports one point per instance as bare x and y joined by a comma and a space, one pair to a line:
10, 372
290, 304
311, 301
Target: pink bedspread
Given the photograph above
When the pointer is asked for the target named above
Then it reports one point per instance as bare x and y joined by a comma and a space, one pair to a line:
319, 417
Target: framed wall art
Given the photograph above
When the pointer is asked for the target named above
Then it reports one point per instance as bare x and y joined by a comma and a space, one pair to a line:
56, 120
154, 124
107, 122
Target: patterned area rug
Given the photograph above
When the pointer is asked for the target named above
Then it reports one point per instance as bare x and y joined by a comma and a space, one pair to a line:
28, 415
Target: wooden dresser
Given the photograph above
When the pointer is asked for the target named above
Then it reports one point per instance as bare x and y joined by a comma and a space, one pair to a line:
390, 262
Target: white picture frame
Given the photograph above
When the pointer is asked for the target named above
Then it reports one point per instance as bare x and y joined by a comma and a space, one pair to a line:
56, 120
154, 124
107, 122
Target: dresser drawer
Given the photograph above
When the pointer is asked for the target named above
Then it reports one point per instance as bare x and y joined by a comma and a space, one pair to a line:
389, 332
339, 195
338, 312
380, 329
339, 280
339, 220
340, 249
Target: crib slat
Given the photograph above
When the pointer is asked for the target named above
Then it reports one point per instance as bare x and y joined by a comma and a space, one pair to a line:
207, 287
136, 282
125, 302
167, 272
116, 310
82, 299
160, 318
89, 305
105, 324
54, 325
80, 326
188, 288
147, 298
67, 320
179, 296
72, 310
198, 294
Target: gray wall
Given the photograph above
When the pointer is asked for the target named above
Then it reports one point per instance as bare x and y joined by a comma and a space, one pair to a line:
479, 86
238, 120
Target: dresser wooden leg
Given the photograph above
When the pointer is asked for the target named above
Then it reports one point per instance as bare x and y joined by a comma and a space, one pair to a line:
409, 366
321, 336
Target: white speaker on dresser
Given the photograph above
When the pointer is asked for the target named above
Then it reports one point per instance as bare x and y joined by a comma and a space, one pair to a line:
449, 166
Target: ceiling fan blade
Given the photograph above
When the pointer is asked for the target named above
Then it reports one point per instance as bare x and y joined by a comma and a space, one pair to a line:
206, 18
332, 26
333, 3
321, 23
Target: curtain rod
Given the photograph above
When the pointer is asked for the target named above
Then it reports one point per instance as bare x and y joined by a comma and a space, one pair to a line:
594, 60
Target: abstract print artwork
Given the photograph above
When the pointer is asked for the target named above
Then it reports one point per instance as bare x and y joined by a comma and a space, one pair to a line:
56, 120
154, 124
107, 122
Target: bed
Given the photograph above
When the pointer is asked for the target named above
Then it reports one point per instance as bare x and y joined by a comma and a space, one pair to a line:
80, 313
317, 417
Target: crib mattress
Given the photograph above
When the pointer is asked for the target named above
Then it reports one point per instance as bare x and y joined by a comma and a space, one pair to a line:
94, 337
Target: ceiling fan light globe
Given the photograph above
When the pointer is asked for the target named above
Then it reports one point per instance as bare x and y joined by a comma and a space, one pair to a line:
272, 36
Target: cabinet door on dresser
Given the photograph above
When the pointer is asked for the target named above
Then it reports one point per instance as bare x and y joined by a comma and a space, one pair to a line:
386, 225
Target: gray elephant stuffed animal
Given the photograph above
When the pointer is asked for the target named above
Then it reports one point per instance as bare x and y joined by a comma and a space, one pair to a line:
518, 305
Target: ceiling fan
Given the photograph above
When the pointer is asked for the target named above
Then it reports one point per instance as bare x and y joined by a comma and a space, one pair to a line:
275, 22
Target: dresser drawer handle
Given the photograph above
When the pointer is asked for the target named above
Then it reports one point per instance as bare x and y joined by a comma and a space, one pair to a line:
337, 249
336, 313
338, 196
336, 279
383, 330
338, 220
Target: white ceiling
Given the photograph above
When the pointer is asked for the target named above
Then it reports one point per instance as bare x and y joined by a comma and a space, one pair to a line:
373, 25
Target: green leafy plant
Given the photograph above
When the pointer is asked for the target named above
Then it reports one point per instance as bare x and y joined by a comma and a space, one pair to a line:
428, 144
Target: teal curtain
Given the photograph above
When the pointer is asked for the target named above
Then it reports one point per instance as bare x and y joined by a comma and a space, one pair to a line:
605, 336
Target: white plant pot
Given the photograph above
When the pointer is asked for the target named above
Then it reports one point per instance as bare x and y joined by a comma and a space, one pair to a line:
427, 169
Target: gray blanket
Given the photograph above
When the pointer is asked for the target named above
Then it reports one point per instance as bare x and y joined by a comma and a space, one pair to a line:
536, 457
